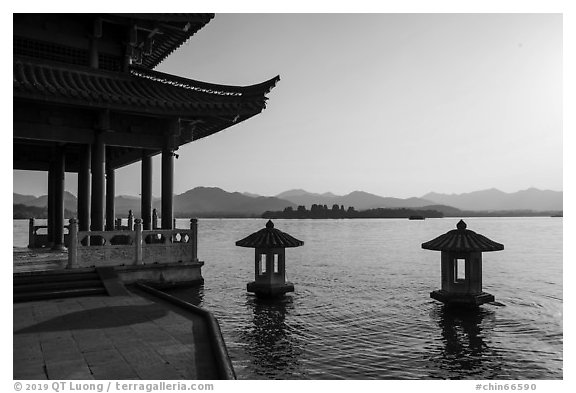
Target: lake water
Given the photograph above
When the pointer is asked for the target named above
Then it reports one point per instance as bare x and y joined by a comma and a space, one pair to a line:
361, 307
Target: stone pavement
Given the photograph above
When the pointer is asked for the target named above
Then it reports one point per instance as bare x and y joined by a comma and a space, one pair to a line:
102, 337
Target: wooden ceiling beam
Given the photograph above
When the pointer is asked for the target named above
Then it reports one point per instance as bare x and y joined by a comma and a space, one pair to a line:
63, 134
53, 133
129, 158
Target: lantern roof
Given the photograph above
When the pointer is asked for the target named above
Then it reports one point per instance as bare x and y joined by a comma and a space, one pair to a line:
269, 237
463, 240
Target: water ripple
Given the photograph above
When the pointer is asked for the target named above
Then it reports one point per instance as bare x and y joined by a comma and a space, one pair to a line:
366, 314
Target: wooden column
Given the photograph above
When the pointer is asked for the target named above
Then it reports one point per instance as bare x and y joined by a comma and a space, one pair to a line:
93, 54
50, 205
84, 190
31, 237
194, 240
98, 162
58, 226
96, 34
110, 213
146, 199
167, 187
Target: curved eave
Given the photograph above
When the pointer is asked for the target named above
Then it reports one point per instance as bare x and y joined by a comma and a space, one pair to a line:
256, 89
200, 110
262, 88
145, 92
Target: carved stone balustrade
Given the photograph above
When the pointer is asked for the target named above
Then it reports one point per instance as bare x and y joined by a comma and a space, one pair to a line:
138, 247
40, 240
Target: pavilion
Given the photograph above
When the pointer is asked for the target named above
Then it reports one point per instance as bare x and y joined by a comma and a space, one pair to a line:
88, 100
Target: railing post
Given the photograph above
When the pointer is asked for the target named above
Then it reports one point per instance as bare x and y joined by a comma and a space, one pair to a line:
154, 219
130, 220
194, 228
67, 235
31, 239
173, 223
138, 241
73, 244
119, 224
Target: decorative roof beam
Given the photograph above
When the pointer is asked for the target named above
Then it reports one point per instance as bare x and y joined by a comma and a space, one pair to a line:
140, 141
128, 158
23, 165
52, 133
58, 133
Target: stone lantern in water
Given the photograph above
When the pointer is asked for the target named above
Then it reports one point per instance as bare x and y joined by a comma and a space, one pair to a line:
462, 266
270, 262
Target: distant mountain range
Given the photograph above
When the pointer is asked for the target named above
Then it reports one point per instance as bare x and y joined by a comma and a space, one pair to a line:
493, 199
485, 200
200, 202
215, 202
70, 202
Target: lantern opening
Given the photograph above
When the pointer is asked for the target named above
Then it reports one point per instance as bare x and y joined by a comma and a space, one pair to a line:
459, 270
276, 269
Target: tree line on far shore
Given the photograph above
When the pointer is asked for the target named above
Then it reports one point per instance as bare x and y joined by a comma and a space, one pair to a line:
322, 211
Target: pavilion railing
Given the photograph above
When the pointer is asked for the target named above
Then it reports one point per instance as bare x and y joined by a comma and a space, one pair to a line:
137, 247
40, 240
119, 223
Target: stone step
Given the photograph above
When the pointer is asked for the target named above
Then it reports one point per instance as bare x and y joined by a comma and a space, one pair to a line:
41, 295
45, 277
57, 285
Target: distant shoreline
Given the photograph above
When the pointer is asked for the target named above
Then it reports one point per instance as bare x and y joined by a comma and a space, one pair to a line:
320, 218
475, 215
322, 212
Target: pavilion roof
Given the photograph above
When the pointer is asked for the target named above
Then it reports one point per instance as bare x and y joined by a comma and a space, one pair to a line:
140, 91
173, 30
269, 237
462, 239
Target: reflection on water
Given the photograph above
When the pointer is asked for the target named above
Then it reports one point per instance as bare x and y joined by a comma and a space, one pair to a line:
465, 353
269, 340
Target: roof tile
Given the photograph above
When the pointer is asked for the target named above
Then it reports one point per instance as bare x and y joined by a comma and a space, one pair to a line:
463, 240
269, 237
141, 88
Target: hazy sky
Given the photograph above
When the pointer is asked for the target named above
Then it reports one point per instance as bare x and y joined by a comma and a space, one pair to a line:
393, 104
